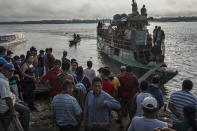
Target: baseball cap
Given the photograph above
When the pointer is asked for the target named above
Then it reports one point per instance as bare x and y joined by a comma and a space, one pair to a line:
123, 68
2, 61
9, 67
149, 103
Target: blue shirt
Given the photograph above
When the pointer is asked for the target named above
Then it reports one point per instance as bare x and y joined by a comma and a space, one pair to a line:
65, 108
45, 59
157, 93
180, 99
72, 74
145, 124
92, 113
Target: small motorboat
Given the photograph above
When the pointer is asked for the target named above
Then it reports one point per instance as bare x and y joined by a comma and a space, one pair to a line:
72, 42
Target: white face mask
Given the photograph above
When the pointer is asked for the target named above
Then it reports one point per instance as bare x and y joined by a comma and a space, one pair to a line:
31, 66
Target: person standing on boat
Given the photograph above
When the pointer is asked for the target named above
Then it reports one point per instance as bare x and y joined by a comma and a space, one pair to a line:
78, 37
134, 7
129, 85
143, 11
74, 36
155, 35
127, 34
160, 36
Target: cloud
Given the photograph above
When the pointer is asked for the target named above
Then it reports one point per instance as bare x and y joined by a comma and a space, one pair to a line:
20, 10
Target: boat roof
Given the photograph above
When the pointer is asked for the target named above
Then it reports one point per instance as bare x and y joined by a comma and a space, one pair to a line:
13, 33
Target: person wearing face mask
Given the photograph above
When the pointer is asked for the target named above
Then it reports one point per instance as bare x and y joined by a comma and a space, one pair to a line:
17, 78
28, 72
49, 80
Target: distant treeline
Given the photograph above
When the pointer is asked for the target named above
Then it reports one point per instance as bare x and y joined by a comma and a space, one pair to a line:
76, 21
174, 19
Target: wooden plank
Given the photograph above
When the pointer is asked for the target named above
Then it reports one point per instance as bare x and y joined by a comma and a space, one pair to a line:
41, 88
150, 72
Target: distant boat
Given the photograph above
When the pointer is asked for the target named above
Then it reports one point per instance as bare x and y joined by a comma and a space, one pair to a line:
12, 39
73, 42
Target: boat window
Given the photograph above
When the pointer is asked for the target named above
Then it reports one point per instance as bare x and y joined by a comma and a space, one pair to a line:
117, 52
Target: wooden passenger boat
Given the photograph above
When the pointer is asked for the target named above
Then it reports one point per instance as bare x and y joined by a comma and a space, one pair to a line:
12, 39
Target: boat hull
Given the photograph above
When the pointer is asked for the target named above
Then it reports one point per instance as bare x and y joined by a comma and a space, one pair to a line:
13, 39
13, 43
74, 42
121, 55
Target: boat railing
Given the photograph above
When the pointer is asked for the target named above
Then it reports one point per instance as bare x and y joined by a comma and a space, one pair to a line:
119, 43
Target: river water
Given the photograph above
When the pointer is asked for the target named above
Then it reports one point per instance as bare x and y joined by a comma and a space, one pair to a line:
181, 46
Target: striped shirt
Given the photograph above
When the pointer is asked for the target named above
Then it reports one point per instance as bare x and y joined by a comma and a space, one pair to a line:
65, 108
180, 99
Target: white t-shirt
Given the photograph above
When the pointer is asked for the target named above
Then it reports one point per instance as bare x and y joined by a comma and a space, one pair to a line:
145, 124
5, 92
128, 34
90, 73
139, 100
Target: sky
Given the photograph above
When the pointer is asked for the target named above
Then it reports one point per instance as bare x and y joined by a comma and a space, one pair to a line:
21, 10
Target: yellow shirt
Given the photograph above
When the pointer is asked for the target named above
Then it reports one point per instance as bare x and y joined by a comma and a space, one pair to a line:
116, 83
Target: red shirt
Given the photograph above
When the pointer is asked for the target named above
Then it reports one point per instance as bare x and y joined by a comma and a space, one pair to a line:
128, 85
51, 77
108, 87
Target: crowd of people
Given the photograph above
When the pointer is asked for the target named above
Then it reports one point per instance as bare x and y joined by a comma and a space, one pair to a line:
79, 97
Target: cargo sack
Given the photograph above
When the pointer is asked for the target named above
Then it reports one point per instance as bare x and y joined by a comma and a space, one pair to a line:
15, 125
